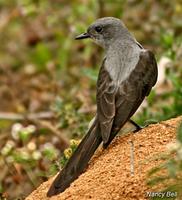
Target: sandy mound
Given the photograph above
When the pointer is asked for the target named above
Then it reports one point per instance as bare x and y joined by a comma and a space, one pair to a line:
108, 175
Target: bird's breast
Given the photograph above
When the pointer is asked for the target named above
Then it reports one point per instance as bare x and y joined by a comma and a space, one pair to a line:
121, 62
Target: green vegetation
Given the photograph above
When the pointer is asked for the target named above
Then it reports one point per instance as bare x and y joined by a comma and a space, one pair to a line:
45, 72
171, 167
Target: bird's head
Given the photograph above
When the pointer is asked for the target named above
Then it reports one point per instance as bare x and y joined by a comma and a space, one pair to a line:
105, 31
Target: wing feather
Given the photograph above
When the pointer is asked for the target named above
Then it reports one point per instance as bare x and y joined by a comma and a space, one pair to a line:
106, 92
116, 104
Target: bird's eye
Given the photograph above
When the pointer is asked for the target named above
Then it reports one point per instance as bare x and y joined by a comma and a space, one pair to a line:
98, 29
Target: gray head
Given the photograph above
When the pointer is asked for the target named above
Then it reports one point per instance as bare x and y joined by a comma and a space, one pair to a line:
105, 31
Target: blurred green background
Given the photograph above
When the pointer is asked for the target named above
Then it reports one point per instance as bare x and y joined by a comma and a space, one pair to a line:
47, 79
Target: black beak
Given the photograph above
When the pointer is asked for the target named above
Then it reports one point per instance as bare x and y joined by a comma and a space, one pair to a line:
82, 36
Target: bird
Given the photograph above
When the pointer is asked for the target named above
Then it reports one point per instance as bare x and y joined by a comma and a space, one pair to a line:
126, 76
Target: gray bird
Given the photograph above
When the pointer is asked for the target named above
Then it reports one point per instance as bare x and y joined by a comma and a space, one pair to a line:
127, 74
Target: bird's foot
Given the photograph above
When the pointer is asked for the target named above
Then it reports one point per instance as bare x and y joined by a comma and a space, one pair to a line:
137, 127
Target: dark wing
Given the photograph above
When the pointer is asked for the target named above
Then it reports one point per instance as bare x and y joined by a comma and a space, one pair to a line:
133, 90
116, 105
106, 92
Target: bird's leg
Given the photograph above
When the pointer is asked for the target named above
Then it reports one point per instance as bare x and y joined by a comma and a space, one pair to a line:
137, 127
130, 126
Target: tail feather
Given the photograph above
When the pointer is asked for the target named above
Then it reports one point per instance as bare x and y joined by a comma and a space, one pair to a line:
78, 161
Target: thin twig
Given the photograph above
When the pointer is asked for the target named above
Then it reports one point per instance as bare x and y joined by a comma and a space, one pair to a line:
29, 116
131, 158
30, 176
8, 166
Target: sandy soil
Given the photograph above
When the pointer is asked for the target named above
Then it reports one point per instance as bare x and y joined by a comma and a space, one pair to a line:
109, 176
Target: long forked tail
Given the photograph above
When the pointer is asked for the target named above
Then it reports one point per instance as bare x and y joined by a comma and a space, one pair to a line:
78, 161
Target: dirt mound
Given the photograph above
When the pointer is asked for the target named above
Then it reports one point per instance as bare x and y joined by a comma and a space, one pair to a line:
109, 176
